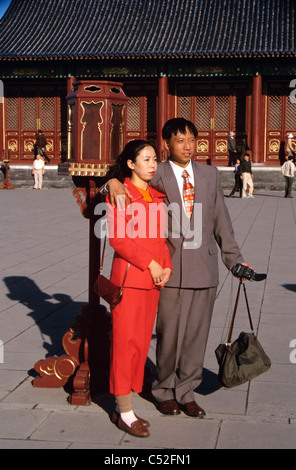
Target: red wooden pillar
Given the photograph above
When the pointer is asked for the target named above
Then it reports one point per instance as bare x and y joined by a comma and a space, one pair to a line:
70, 82
70, 135
162, 112
257, 122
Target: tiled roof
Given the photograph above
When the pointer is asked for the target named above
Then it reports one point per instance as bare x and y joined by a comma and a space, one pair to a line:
104, 29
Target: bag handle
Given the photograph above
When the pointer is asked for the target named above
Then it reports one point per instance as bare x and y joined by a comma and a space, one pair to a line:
102, 257
248, 309
102, 261
241, 282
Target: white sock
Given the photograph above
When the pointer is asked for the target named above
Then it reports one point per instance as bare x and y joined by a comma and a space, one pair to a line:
128, 418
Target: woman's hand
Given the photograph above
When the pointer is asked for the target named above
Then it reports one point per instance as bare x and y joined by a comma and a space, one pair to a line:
156, 271
167, 274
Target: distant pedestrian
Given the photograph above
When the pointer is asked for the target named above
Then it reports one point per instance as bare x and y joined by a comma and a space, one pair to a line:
231, 149
290, 149
246, 175
288, 170
238, 182
38, 171
40, 145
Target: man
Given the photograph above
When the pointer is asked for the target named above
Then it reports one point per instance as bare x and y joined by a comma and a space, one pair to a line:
231, 149
288, 170
187, 301
41, 145
38, 171
247, 176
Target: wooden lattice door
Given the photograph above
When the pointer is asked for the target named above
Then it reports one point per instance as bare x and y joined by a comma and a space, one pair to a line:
141, 112
29, 123
28, 109
213, 108
12, 125
203, 121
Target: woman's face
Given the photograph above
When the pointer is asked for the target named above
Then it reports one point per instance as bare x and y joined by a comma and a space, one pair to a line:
144, 168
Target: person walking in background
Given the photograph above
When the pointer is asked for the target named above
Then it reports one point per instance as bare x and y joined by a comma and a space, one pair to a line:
149, 269
38, 171
231, 149
290, 149
246, 175
238, 182
40, 145
288, 170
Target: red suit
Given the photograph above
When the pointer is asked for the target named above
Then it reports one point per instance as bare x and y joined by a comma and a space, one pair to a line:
137, 236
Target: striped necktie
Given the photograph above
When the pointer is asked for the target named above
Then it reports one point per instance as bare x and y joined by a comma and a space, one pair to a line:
188, 194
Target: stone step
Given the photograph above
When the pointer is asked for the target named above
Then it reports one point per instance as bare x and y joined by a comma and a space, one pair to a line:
264, 178
20, 176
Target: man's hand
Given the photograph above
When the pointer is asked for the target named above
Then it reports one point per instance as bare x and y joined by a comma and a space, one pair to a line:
242, 280
248, 265
116, 188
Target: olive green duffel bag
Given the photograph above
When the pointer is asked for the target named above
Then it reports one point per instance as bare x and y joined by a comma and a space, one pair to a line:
243, 359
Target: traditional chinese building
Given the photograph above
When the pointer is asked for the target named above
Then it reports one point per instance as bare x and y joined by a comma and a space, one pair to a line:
227, 65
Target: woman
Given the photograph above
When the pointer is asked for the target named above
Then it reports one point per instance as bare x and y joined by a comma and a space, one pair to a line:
137, 236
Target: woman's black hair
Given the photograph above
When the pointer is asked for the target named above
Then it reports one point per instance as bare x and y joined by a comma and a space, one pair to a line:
120, 170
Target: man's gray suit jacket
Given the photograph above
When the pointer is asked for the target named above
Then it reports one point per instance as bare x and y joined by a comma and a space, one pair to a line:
195, 258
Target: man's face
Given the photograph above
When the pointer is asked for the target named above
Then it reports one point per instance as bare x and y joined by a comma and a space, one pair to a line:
181, 147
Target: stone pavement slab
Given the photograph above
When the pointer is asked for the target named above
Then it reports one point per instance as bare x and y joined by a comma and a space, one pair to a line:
44, 284
254, 435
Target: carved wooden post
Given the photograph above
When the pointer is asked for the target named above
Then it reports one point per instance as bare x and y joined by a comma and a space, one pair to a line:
97, 118
6, 183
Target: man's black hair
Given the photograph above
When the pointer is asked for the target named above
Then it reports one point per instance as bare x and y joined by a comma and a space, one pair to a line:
177, 124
